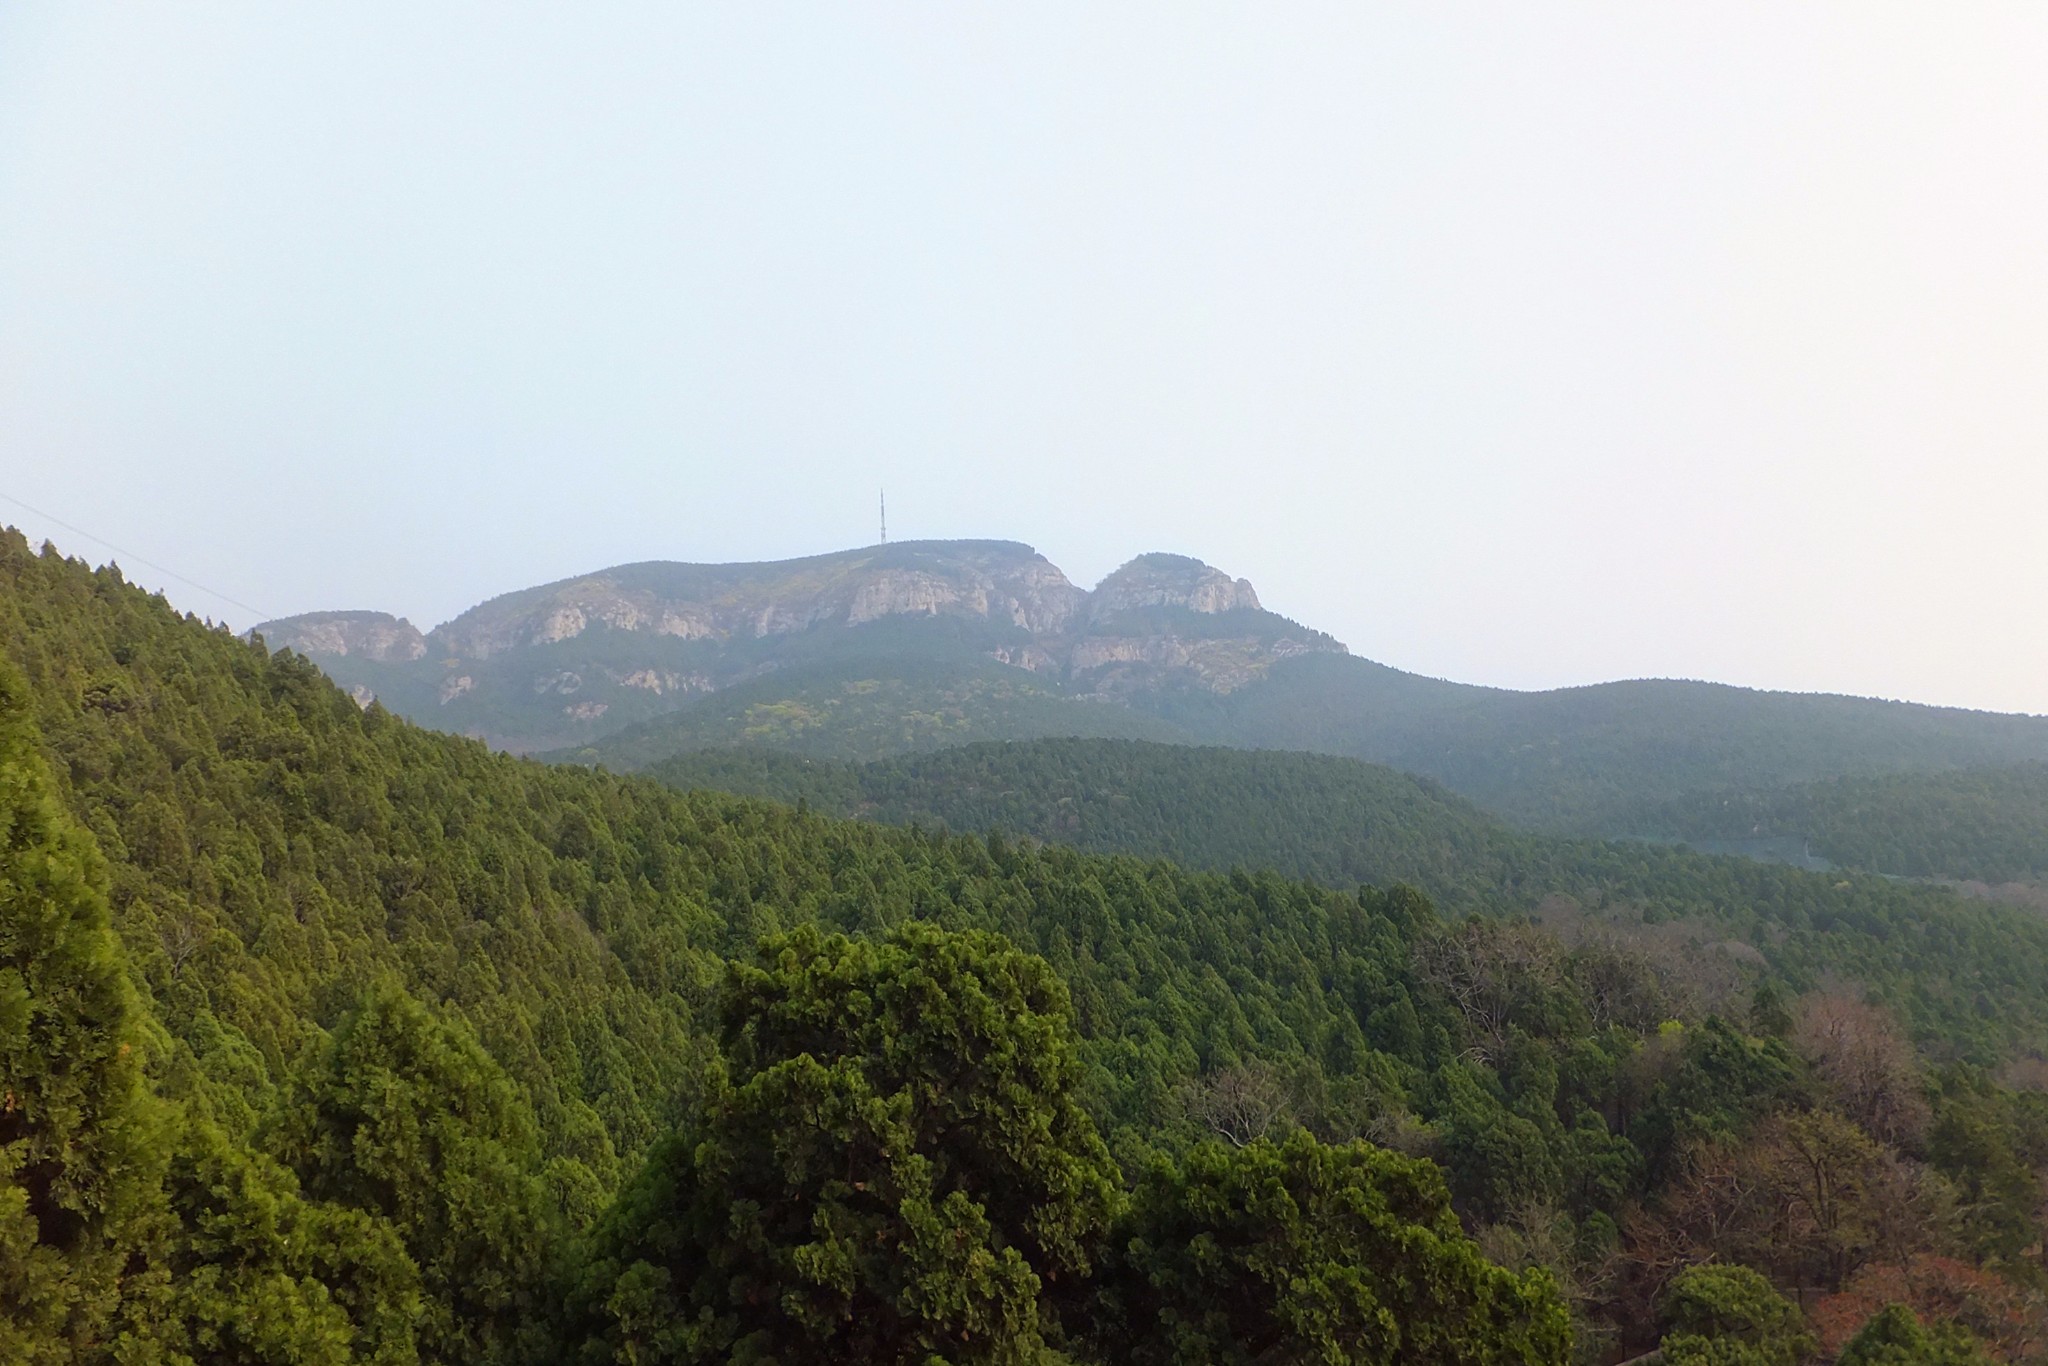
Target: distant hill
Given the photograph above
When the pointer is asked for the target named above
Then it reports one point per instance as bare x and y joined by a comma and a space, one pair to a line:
1341, 822
913, 647
1987, 824
1588, 760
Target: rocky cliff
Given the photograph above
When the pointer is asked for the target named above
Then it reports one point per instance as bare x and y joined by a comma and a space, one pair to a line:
568, 661
988, 580
375, 636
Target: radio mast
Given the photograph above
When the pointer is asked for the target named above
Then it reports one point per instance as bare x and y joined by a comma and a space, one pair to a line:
885, 516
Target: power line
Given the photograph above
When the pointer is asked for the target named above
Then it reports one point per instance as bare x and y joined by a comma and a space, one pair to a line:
261, 615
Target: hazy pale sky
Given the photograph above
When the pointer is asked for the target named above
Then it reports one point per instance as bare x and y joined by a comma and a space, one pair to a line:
1525, 344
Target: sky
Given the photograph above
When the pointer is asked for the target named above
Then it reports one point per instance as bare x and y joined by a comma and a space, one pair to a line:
1528, 345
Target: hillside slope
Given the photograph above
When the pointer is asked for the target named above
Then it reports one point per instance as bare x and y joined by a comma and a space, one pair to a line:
1983, 824
1343, 822
409, 1014
1585, 760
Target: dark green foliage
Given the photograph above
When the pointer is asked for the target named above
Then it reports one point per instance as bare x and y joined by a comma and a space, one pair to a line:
1896, 1337
130, 1230
899, 1172
1339, 821
1585, 760
1989, 824
1929, 954
1305, 1252
1730, 1316
257, 1274
406, 1016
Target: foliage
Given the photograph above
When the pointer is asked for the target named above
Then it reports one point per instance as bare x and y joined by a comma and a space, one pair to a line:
1721, 1315
398, 1008
1934, 958
403, 1117
1894, 1337
1299, 1251
80, 1142
1989, 824
899, 1171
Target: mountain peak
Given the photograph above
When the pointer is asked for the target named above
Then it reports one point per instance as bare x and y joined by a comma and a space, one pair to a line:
565, 661
364, 635
1159, 579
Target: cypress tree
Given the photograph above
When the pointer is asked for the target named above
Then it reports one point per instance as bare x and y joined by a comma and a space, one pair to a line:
81, 1144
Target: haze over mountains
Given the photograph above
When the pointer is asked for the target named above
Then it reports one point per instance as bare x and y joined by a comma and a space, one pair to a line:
916, 646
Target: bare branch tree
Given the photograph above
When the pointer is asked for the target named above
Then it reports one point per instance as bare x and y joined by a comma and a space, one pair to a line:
1239, 1104
1488, 969
181, 935
1866, 1061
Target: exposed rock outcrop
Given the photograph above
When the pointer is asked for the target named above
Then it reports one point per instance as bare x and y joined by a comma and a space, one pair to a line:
585, 655
363, 635
991, 580
1170, 581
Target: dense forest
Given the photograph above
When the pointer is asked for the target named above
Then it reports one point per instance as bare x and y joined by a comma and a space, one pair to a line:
324, 1038
1982, 824
1341, 822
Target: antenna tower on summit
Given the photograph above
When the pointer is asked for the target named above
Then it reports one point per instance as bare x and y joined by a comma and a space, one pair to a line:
885, 517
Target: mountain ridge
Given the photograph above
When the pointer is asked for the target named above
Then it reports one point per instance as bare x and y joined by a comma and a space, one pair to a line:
917, 645
690, 629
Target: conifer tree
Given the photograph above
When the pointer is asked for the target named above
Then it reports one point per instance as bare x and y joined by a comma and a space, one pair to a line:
404, 1117
81, 1144
900, 1171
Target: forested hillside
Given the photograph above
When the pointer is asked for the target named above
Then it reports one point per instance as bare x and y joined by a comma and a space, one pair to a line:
1583, 760
1343, 822
326, 1038
1986, 824
1577, 761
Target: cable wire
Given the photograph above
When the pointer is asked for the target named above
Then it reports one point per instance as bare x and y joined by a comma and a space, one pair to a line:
261, 615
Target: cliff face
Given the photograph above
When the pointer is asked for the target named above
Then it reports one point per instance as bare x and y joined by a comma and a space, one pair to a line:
992, 581
1170, 581
375, 636
572, 660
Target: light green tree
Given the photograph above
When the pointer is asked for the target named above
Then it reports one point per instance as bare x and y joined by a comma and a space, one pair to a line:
1720, 1315
1896, 1337
82, 1146
403, 1116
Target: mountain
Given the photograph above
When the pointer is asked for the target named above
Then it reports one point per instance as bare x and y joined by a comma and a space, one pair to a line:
916, 646
328, 1038
572, 661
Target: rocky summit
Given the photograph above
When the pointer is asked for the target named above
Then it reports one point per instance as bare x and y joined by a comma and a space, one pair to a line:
568, 662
